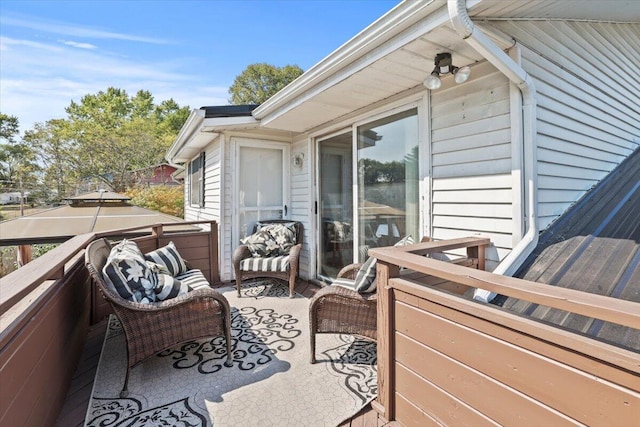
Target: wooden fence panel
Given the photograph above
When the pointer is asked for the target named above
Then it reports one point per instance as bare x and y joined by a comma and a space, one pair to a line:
497, 372
39, 359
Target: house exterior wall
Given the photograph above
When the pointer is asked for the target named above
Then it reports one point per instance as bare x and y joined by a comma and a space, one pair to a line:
212, 202
587, 77
302, 200
471, 161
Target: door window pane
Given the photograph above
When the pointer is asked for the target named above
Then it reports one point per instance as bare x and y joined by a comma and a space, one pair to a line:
336, 205
388, 204
260, 186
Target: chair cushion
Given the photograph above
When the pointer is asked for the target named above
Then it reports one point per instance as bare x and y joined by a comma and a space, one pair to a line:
168, 258
277, 263
194, 279
169, 287
127, 273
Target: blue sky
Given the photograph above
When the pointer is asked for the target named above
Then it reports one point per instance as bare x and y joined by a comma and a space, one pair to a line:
52, 52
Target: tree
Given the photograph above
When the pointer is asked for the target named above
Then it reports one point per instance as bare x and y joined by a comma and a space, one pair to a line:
18, 163
8, 127
113, 134
55, 154
258, 82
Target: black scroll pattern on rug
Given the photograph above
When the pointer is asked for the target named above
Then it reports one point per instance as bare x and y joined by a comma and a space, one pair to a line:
256, 336
129, 412
348, 358
267, 288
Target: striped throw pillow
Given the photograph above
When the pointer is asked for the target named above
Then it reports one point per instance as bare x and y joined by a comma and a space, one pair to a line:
366, 277
169, 258
194, 279
169, 287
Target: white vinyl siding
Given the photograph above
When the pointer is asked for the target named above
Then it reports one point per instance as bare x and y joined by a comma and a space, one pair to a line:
301, 201
471, 161
587, 76
211, 209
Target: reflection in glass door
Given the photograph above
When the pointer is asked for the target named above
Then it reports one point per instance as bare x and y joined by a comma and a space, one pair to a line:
388, 195
335, 248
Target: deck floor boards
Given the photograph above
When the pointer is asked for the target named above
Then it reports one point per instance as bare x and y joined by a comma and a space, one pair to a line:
77, 400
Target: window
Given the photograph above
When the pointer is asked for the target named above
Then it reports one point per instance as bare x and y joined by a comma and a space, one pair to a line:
196, 181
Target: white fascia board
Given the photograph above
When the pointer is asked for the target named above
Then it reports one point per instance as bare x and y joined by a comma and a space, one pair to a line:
219, 124
404, 23
189, 128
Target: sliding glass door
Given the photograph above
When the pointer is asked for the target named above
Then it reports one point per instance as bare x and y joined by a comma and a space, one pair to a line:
384, 175
388, 181
335, 216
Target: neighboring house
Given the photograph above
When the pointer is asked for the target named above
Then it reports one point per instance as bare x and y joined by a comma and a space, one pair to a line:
162, 174
10, 198
359, 144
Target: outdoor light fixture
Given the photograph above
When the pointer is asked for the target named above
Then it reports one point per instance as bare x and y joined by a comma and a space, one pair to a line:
444, 66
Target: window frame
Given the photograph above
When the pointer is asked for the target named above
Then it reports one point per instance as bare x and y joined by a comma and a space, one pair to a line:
196, 181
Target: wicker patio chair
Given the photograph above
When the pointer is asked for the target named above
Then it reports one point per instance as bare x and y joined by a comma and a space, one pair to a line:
157, 326
255, 267
339, 310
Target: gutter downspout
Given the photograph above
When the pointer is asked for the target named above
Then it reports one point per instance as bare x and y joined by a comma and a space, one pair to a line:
515, 73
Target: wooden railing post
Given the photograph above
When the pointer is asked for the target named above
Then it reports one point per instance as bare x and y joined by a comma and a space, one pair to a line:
384, 403
213, 253
157, 231
478, 252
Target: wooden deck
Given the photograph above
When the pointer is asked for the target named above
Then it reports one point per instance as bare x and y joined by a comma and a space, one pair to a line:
79, 393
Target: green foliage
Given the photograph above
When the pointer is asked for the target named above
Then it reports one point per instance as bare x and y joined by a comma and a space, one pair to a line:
18, 161
258, 82
162, 198
112, 134
9, 127
55, 153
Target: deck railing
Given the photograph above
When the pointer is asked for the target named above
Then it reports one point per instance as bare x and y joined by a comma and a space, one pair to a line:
444, 359
46, 308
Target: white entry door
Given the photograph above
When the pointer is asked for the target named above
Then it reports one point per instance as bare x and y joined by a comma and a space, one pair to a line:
261, 183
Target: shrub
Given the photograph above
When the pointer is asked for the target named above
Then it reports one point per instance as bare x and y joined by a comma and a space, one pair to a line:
161, 198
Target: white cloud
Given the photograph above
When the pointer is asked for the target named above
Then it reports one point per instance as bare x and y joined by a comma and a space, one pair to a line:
67, 29
79, 45
38, 80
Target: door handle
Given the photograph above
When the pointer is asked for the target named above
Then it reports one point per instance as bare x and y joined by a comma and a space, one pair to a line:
285, 210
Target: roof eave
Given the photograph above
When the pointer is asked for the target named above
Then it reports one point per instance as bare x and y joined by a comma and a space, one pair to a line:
190, 127
389, 25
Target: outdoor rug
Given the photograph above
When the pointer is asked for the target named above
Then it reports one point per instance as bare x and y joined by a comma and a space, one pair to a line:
271, 382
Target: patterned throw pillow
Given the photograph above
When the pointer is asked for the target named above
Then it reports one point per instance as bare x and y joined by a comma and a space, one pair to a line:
127, 273
169, 258
284, 236
271, 240
260, 243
